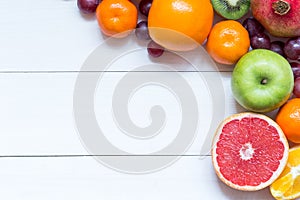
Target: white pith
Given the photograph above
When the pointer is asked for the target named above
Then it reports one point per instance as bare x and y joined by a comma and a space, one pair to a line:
295, 171
247, 151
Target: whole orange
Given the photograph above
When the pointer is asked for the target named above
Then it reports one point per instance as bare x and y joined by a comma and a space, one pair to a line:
288, 118
180, 25
227, 42
117, 18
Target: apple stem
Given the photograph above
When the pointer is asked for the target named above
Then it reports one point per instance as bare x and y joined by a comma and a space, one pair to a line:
281, 7
264, 81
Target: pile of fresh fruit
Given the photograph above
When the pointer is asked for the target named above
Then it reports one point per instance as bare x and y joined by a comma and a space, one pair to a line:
250, 150
184, 25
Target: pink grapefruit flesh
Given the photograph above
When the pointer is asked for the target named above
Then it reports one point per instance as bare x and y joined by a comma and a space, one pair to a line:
249, 151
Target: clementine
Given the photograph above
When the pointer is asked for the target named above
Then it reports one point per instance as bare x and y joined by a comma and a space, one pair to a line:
180, 25
227, 42
288, 118
117, 18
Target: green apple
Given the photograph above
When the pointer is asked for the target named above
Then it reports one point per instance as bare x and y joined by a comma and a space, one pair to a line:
262, 81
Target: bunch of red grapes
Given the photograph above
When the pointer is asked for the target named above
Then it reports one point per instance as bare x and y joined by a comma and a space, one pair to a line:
141, 31
289, 49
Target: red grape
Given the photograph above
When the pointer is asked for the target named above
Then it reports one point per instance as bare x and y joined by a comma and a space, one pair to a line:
253, 26
87, 6
144, 6
260, 41
296, 90
154, 49
277, 46
142, 31
296, 69
295, 64
292, 48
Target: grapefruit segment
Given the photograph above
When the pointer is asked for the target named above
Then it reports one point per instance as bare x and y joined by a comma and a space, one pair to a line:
249, 151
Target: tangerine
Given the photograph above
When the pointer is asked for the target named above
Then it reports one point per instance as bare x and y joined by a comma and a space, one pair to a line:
288, 118
180, 25
228, 41
117, 18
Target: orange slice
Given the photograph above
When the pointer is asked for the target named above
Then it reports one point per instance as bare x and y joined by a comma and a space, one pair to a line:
287, 186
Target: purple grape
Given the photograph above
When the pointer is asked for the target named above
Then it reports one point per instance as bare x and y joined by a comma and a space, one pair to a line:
292, 48
87, 6
296, 90
154, 49
142, 31
144, 6
253, 26
295, 64
260, 41
296, 69
277, 46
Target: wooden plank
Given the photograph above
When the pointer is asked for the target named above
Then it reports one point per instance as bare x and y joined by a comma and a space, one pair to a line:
84, 178
45, 35
51, 40
37, 116
52, 35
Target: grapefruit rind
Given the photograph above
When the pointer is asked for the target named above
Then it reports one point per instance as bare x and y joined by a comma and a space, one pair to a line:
281, 166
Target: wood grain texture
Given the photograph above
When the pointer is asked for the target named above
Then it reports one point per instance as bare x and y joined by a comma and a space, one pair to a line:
43, 46
84, 178
37, 113
51, 36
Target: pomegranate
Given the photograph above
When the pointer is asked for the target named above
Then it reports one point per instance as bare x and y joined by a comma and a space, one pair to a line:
280, 18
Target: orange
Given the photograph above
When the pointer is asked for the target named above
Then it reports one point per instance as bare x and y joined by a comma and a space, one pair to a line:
287, 186
288, 118
116, 18
180, 25
227, 42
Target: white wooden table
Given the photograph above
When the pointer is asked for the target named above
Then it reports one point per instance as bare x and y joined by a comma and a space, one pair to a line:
43, 45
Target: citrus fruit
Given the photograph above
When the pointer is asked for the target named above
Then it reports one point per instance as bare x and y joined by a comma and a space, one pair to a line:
287, 186
288, 118
249, 151
180, 25
116, 18
227, 42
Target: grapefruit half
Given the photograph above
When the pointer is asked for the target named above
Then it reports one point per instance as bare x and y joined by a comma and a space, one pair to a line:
249, 151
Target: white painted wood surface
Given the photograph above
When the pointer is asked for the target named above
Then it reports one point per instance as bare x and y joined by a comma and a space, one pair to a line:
42, 47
